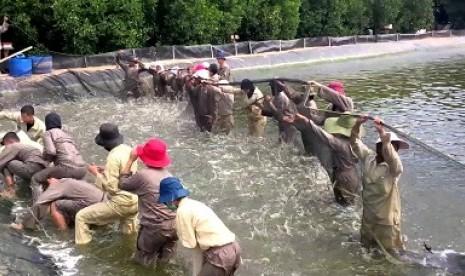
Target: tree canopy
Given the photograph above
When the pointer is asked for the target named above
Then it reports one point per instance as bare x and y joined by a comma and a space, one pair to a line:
91, 26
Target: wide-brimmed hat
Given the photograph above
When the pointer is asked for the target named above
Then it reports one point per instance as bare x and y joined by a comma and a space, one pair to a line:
340, 125
337, 86
171, 189
394, 138
109, 135
154, 153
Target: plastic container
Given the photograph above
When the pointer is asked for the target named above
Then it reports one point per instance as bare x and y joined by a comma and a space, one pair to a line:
20, 66
42, 64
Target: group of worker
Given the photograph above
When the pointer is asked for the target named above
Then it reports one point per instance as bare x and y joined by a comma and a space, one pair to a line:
47, 156
332, 134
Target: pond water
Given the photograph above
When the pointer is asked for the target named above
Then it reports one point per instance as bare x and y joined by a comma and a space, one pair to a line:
278, 201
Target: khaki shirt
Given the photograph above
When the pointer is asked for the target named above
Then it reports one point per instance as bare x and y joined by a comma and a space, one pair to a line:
254, 111
381, 197
108, 181
35, 132
225, 72
198, 226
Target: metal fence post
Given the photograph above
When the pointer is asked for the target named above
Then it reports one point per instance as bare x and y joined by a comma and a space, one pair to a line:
355, 39
280, 45
250, 48
397, 37
85, 61
235, 48
133, 52
305, 42
173, 51
329, 41
450, 32
211, 50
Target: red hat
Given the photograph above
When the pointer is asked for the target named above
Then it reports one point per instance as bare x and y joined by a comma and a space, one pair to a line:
337, 86
154, 153
199, 67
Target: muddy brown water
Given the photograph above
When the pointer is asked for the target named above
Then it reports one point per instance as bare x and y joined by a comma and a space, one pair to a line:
275, 199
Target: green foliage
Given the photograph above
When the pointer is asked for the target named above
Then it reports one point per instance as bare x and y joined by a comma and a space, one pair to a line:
415, 15
90, 26
456, 11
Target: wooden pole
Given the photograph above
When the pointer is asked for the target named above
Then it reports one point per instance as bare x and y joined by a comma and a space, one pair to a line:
15, 54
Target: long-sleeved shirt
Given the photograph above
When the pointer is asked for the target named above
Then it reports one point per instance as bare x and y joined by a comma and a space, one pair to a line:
254, 111
22, 152
225, 100
60, 148
224, 72
67, 189
337, 102
198, 226
131, 75
146, 185
108, 181
380, 196
35, 132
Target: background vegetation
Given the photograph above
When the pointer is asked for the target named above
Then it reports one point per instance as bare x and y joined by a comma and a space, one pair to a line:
91, 26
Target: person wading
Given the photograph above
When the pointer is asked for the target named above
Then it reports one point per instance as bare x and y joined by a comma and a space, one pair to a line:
19, 159
122, 205
132, 84
62, 199
335, 135
214, 248
381, 170
224, 70
27, 122
254, 99
224, 97
59, 148
157, 235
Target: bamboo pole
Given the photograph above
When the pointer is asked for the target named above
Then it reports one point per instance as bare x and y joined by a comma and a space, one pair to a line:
15, 54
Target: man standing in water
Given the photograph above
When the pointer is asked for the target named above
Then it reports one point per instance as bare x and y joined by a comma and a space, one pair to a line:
215, 250
27, 122
381, 171
224, 69
254, 99
157, 236
132, 85
122, 205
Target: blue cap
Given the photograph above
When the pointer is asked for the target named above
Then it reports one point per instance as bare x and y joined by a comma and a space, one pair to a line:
220, 55
171, 189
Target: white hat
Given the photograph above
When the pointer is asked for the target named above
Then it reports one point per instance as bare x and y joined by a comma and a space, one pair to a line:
205, 64
223, 82
395, 138
203, 74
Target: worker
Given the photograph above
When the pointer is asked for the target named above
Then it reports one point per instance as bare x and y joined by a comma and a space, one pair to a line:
132, 84
20, 159
224, 97
26, 120
157, 236
4, 28
381, 170
214, 248
254, 98
213, 72
122, 205
62, 199
335, 134
61, 149
224, 70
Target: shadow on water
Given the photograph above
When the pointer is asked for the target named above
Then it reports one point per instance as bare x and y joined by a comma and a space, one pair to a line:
278, 201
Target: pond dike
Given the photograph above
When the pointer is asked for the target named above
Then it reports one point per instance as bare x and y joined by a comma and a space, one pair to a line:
105, 81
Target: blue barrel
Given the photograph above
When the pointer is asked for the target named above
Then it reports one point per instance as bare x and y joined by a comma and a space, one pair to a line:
41, 64
20, 66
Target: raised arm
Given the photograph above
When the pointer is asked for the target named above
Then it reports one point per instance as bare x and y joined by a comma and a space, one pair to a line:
341, 102
359, 148
390, 155
12, 116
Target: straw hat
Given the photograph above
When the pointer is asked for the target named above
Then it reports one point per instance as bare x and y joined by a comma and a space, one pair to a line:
340, 125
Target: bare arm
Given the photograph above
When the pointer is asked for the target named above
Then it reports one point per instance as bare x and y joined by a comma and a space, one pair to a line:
390, 155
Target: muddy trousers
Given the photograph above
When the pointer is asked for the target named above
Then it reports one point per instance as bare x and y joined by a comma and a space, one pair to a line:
155, 244
257, 127
223, 124
22, 169
387, 237
221, 260
40, 178
104, 213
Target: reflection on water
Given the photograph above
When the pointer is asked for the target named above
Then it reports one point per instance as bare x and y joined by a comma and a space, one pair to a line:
277, 201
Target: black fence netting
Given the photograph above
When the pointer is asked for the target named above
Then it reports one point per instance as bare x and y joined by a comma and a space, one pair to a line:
64, 61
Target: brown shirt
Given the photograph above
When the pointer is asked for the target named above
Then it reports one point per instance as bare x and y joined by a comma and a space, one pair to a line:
146, 185
66, 189
60, 148
21, 152
224, 72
